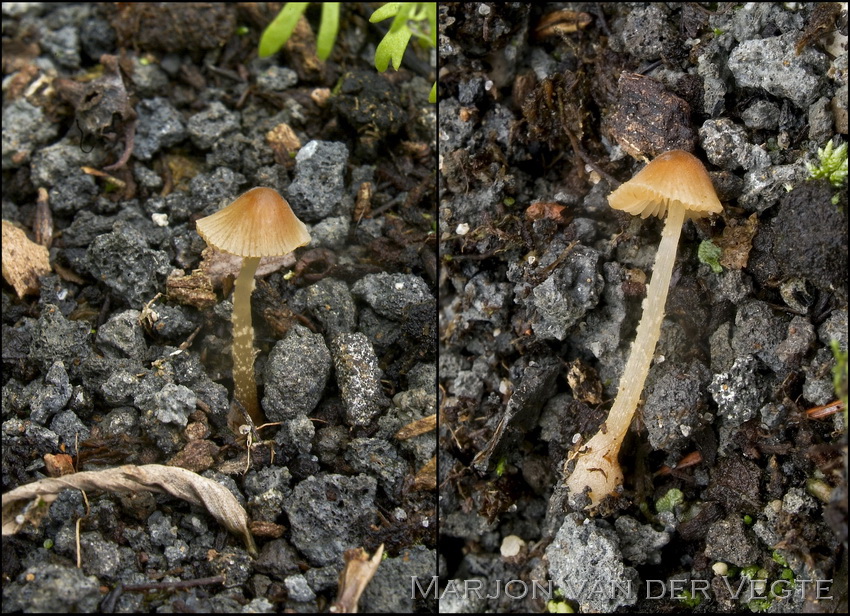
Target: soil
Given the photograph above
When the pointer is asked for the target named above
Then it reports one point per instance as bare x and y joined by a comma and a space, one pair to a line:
544, 110
123, 125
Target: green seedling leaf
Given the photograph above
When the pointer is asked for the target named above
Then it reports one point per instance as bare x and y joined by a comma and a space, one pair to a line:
432, 97
391, 48
328, 29
431, 12
390, 9
280, 29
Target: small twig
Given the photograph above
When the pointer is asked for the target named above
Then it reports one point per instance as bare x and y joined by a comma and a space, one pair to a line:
225, 73
43, 223
129, 145
614, 182
188, 342
389, 204
820, 412
218, 579
77, 532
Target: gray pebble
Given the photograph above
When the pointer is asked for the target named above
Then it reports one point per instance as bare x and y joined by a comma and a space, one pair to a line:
358, 377
329, 514
296, 373
319, 185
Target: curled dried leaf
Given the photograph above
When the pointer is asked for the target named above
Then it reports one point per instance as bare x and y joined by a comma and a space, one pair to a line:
29, 503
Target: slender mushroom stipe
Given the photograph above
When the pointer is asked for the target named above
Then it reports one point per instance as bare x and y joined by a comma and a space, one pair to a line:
259, 223
675, 183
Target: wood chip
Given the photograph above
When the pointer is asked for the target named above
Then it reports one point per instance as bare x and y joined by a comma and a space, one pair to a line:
23, 261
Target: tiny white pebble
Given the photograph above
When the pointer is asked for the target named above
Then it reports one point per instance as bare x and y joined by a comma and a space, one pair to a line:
483, 9
720, 568
462, 228
511, 545
488, 85
160, 220
399, 286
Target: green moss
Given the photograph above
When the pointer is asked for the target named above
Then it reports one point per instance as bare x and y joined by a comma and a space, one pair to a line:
669, 501
832, 166
690, 600
710, 254
759, 605
751, 572
559, 607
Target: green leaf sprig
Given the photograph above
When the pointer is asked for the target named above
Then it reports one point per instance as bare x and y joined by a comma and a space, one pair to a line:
410, 19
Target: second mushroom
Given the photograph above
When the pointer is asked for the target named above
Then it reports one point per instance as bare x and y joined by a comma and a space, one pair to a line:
675, 183
259, 223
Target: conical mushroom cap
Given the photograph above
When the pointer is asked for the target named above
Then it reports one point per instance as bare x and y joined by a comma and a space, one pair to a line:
673, 179
259, 223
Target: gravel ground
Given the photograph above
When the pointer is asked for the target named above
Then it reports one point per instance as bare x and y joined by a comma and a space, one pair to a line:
729, 475
121, 355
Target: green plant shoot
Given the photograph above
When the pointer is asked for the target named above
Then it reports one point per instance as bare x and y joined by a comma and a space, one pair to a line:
328, 29
839, 373
408, 21
407, 17
281, 28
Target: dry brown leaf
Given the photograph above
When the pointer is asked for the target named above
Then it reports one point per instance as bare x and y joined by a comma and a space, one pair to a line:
415, 428
358, 572
426, 477
29, 503
285, 143
193, 290
737, 241
584, 382
23, 261
219, 265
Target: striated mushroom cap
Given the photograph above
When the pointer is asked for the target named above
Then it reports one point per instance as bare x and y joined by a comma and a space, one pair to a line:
259, 223
673, 179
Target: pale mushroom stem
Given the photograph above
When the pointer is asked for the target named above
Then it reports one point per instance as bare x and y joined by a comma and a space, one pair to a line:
598, 467
245, 385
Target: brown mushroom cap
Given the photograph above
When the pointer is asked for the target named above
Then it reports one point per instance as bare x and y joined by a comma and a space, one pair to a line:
673, 178
259, 223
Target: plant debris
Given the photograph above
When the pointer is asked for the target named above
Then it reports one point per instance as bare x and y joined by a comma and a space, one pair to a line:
29, 503
23, 260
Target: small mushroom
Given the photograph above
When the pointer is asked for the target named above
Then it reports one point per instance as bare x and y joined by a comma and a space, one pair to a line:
259, 223
675, 183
